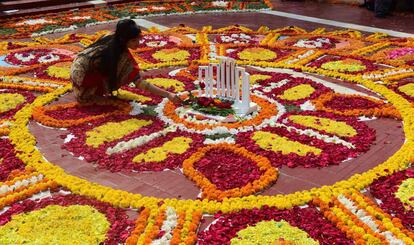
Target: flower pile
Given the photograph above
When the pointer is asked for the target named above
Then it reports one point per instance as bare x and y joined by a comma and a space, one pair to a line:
210, 106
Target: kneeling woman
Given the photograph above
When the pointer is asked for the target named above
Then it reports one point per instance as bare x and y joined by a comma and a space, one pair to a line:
106, 65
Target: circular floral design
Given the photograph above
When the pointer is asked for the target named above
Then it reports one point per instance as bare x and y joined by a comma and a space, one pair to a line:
108, 136
179, 117
304, 130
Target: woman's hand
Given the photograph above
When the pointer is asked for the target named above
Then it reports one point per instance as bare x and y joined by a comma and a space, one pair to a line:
174, 99
160, 92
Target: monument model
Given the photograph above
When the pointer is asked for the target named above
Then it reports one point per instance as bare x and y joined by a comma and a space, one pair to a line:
224, 89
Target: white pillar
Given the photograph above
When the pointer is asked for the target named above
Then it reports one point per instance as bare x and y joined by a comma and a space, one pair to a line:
239, 73
223, 77
228, 81
245, 91
218, 80
201, 78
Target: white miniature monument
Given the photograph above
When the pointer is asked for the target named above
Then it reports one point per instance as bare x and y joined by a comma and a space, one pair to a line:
227, 84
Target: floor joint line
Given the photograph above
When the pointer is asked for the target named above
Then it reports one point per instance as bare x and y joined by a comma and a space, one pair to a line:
337, 23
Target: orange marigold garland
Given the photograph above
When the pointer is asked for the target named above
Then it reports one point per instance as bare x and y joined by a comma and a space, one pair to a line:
355, 105
44, 116
211, 190
139, 227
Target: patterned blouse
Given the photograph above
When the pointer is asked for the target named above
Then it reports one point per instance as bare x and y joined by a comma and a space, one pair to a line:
88, 82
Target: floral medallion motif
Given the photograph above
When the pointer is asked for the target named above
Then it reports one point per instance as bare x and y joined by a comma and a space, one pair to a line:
224, 170
268, 225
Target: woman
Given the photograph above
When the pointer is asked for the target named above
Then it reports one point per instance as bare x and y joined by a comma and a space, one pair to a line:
106, 65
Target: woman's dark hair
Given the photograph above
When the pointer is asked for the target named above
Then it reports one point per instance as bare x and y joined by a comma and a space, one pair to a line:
113, 46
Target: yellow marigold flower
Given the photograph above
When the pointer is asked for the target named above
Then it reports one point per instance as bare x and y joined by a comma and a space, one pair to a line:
257, 54
113, 130
9, 101
297, 93
177, 145
258, 77
60, 70
172, 54
274, 142
406, 193
325, 124
267, 232
167, 83
407, 89
344, 65
56, 225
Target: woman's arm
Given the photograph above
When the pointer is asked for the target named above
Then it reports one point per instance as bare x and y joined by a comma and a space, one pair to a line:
158, 91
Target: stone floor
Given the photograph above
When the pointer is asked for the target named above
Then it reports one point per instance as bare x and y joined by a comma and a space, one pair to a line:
173, 184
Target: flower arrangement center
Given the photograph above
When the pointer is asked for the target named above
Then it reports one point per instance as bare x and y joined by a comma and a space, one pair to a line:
223, 92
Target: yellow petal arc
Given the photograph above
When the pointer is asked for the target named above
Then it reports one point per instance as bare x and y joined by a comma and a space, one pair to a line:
111, 131
269, 232
405, 193
407, 89
328, 125
167, 83
299, 92
342, 66
258, 77
178, 145
127, 95
79, 224
60, 70
9, 101
276, 143
173, 54
254, 54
